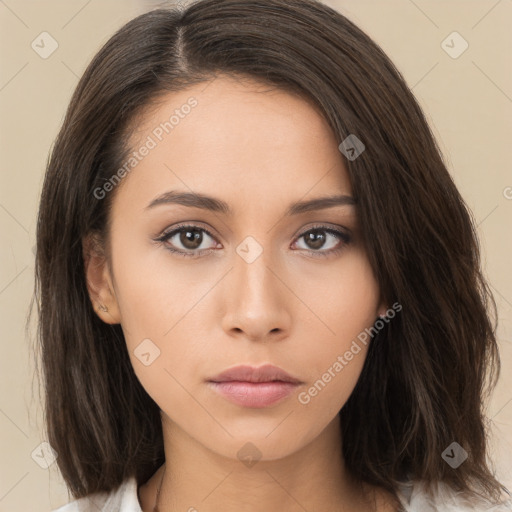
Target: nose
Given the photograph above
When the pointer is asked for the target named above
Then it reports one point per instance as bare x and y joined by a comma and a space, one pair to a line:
256, 301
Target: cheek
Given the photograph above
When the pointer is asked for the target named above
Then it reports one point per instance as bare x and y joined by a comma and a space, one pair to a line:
152, 296
331, 385
334, 366
154, 304
168, 366
341, 301
345, 309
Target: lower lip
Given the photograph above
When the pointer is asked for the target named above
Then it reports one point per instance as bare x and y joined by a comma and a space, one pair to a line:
254, 394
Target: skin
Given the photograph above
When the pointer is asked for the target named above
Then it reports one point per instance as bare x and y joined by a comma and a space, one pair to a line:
259, 150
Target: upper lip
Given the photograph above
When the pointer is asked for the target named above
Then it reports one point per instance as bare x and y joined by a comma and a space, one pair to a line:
245, 373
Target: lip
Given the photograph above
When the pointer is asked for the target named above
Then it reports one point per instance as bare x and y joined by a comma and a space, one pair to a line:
246, 373
254, 387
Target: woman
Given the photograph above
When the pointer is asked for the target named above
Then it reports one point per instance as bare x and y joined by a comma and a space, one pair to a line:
258, 285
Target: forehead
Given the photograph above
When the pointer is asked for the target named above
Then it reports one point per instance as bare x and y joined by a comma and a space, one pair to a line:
237, 137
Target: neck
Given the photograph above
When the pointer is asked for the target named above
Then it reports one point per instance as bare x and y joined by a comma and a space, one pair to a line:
198, 479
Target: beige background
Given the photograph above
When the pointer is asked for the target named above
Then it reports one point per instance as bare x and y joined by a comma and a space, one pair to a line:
468, 101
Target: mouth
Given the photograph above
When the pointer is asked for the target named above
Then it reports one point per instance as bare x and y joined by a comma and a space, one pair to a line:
254, 387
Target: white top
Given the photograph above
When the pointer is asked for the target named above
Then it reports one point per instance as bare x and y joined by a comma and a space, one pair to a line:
413, 499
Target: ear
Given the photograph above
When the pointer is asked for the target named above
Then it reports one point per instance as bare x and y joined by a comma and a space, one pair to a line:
99, 280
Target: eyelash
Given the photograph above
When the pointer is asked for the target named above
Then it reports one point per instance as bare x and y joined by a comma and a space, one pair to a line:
340, 235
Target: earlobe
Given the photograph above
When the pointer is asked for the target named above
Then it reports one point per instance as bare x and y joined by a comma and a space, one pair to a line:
382, 309
98, 279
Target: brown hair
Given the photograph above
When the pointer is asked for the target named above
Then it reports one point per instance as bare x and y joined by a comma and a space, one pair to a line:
426, 374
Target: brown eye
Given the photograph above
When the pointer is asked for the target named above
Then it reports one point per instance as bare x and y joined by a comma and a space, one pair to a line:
187, 240
316, 238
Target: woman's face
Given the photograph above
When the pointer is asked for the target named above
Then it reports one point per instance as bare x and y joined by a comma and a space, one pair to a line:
252, 286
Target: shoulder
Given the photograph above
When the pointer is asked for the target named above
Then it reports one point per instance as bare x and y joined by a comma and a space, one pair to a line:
122, 499
414, 498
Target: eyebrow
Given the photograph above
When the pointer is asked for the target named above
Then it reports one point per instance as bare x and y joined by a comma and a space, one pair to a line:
197, 200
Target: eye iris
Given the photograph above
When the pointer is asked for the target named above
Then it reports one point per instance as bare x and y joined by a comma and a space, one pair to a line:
317, 237
190, 237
